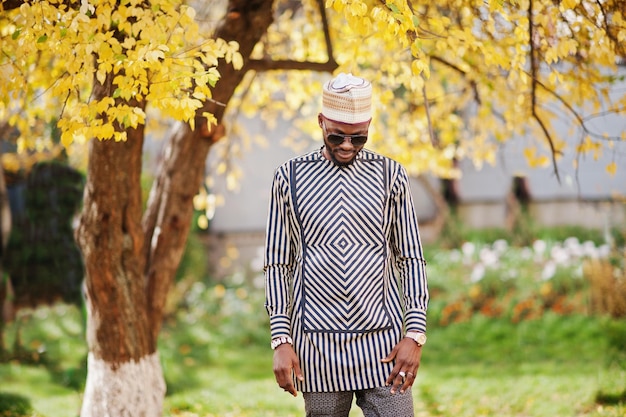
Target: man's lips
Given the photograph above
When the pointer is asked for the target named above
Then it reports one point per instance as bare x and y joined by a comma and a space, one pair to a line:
344, 154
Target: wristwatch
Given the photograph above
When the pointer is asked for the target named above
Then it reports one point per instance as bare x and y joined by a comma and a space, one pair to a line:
281, 340
420, 338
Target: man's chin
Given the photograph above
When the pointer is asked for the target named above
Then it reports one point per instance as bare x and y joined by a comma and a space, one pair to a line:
342, 162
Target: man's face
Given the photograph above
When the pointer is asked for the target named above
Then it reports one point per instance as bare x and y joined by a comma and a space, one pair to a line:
342, 140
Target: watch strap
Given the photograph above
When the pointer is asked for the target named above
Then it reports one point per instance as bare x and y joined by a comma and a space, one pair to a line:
280, 341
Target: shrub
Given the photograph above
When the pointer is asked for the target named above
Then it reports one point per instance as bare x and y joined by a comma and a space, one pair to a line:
13, 405
608, 286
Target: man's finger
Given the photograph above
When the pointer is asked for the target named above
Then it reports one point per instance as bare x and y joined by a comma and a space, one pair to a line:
292, 390
390, 357
297, 371
408, 382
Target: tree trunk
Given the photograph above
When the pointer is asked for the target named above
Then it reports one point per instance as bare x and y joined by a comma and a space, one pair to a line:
169, 212
124, 376
6, 307
130, 262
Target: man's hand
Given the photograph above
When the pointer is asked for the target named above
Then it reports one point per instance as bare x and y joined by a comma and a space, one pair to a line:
286, 361
408, 355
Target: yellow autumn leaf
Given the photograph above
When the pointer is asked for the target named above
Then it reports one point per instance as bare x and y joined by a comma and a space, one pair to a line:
154, 55
569, 4
611, 169
534, 160
237, 61
417, 66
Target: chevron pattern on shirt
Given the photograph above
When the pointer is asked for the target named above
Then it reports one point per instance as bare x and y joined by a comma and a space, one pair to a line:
341, 214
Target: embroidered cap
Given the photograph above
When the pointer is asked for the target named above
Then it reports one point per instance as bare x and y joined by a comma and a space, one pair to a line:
347, 99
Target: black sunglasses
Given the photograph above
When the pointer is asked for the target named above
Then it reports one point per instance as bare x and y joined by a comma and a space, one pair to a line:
338, 138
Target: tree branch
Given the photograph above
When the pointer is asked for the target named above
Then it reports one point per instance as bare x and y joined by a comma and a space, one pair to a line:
533, 94
579, 118
431, 131
608, 30
268, 64
472, 83
329, 43
11, 4
15, 4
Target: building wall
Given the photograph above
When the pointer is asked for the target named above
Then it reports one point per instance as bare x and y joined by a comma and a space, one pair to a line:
591, 214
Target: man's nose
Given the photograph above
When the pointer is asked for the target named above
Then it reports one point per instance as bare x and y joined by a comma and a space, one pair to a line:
347, 141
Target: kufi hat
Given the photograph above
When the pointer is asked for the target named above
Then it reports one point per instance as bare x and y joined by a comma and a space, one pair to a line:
347, 99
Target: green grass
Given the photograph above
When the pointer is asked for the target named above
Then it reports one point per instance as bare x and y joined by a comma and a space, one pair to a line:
217, 362
553, 366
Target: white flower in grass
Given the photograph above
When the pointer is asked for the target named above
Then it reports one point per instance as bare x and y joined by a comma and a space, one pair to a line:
468, 249
478, 272
559, 255
488, 257
500, 246
589, 249
526, 253
455, 255
258, 261
549, 269
539, 246
258, 281
573, 246
238, 277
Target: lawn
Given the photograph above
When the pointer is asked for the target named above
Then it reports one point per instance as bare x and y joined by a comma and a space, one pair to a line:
510, 340
496, 369
551, 366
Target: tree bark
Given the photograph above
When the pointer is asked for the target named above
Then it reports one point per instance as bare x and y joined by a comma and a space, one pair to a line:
124, 376
6, 308
131, 257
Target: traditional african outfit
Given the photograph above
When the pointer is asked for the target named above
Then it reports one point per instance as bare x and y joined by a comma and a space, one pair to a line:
335, 236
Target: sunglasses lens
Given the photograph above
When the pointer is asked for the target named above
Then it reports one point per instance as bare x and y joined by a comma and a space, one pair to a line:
338, 139
335, 139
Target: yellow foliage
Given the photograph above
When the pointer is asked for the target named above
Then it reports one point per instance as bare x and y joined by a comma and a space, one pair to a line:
460, 69
611, 169
475, 55
56, 51
534, 160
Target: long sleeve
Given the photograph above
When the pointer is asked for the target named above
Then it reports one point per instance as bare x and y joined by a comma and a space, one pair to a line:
410, 261
344, 270
278, 265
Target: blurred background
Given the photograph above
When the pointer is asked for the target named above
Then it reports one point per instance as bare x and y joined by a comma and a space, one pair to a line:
527, 281
508, 116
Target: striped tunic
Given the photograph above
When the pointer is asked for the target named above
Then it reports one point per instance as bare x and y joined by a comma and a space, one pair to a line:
344, 270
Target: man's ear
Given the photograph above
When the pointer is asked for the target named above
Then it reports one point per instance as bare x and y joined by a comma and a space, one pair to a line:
319, 119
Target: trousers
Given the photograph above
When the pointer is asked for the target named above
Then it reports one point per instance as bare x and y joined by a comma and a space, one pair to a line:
374, 402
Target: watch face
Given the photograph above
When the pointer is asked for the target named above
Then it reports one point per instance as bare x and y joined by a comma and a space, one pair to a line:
420, 338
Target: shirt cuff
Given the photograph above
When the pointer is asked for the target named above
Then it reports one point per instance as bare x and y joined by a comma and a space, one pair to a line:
280, 326
415, 321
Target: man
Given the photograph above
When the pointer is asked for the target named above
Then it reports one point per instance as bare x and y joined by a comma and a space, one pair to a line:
341, 221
